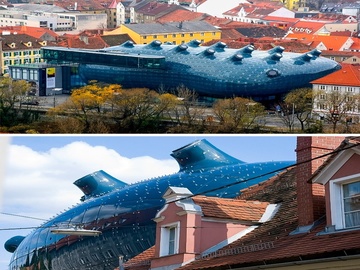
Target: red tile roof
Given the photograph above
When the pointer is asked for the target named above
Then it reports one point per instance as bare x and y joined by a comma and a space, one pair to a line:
281, 19
19, 42
141, 261
334, 43
81, 41
36, 32
308, 27
272, 242
180, 15
231, 208
348, 75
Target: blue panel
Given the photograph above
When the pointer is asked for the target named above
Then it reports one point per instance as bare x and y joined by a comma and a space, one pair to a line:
215, 71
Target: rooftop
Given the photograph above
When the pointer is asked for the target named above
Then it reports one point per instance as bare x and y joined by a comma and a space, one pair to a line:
348, 75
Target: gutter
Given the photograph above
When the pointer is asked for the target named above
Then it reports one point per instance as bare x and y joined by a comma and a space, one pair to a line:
300, 262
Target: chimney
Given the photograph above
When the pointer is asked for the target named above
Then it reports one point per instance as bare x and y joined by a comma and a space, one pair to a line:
311, 197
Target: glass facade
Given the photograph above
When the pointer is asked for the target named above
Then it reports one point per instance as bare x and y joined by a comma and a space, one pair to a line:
124, 213
215, 71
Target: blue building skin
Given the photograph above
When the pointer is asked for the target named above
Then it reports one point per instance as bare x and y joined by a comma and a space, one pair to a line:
123, 213
215, 71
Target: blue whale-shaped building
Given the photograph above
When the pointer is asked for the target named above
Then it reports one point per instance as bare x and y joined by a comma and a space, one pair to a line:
211, 71
122, 214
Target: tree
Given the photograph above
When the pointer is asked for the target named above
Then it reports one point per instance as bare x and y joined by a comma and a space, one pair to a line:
299, 103
237, 114
88, 104
12, 92
336, 106
188, 111
141, 109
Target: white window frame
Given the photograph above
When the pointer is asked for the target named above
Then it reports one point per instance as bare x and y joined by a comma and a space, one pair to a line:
165, 238
337, 202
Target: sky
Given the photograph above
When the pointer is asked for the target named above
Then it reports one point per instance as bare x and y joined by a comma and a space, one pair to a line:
37, 172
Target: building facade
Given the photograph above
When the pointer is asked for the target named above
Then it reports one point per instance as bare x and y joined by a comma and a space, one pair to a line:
19, 49
338, 94
175, 33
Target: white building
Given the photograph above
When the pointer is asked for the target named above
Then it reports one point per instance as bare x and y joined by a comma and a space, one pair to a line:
52, 17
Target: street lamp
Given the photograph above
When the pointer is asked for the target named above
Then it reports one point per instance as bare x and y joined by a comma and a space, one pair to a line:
54, 90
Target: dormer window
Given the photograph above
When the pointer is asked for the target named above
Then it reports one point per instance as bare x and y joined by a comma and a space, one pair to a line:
345, 203
169, 239
351, 198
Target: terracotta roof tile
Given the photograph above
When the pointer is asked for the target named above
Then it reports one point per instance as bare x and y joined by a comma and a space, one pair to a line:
304, 26
36, 32
348, 75
335, 43
20, 41
141, 261
81, 41
231, 208
181, 15
272, 242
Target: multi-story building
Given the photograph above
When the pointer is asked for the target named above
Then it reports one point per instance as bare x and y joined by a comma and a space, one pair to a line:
19, 49
52, 17
175, 33
338, 93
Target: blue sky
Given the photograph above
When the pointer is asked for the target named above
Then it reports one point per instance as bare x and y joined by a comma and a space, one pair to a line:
40, 170
247, 148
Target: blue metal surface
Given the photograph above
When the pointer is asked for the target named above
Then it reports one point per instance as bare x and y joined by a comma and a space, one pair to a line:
215, 71
123, 213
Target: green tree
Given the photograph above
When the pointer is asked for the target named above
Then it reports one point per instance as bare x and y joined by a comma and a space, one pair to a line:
12, 93
141, 109
237, 114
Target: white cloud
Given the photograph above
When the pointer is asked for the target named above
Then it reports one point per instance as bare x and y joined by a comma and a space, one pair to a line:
41, 183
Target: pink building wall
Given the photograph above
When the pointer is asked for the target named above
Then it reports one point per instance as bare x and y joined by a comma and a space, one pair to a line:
196, 235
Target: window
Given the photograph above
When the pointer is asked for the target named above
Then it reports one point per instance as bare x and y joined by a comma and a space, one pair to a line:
322, 87
169, 239
172, 241
351, 200
349, 89
345, 202
336, 88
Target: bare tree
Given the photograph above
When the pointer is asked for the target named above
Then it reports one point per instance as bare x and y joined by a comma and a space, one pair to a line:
336, 106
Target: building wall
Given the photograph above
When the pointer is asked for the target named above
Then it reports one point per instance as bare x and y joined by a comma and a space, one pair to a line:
351, 167
174, 38
336, 27
283, 12
193, 236
311, 197
18, 57
319, 102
